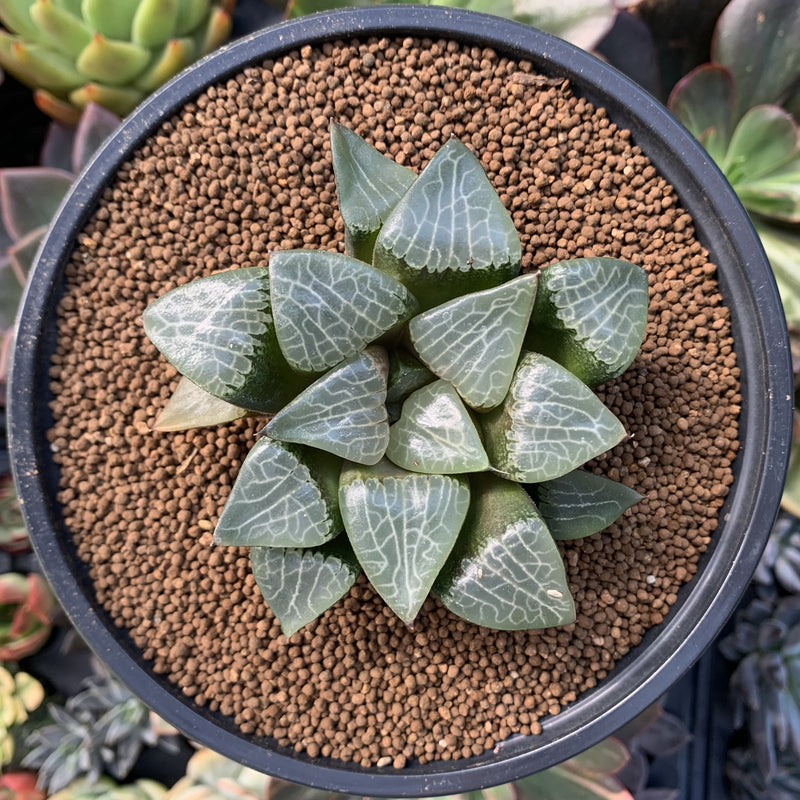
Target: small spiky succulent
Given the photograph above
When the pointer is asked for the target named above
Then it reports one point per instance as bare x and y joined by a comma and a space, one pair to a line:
20, 694
27, 606
107, 789
766, 644
29, 199
425, 322
101, 729
113, 53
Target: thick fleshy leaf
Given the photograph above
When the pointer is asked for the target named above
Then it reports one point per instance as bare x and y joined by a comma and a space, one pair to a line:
15, 15
154, 22
218, 332
449, 233
402, 526
58, 109
703, 102
217, 30
61, 30
436, 434
23, 252
406, 375
37, 65
368, 186
111, 19
299, 585
177, 54
757, 41
112, 62
96, 125
120, 100
782, 247
584, 23
590, 316
284, 496
11, 287
565, 782
328, 306
30, 197
474, 341
505, 571
192, 407
581, 503
549, 424
190, 14
343, 412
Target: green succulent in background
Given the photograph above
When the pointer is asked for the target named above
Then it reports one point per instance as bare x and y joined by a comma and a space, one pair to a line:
211, 776
582, 22
13, 533
780, 561
441, 323
102, 729
76, 52
20, 695
107, 789
765, 643
29, 199
743, 107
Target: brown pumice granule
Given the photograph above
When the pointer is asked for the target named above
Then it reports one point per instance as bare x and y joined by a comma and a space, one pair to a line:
246, 170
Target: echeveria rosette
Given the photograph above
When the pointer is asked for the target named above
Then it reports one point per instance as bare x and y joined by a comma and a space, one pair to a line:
332, 487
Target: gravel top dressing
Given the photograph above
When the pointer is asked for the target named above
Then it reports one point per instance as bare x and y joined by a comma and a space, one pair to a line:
245, 170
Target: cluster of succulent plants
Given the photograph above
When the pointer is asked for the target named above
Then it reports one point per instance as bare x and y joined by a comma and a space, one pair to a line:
100, 730
20, 695
29, 198
76, 52
27, 608
485, 374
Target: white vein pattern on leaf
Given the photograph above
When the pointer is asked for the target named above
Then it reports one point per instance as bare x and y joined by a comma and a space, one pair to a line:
324, 314
601, 319
274, 502
404, 533
436, 433
298, 583
592, 505
213, 329
344, 409
479, 363
440, 204
509, 582
558, 426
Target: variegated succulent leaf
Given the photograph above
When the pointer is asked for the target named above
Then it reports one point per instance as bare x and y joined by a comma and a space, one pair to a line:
300, 584
402, 527
328, 307
505, 571
590, 315
549, 424
449, 233
284, 496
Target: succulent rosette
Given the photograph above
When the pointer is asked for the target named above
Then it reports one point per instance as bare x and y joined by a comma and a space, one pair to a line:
27, 606
414, 384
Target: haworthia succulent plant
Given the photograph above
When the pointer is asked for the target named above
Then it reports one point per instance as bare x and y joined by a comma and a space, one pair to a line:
430, 500
109, 53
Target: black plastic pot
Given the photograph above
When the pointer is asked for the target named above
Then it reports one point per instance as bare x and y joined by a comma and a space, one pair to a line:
761, 348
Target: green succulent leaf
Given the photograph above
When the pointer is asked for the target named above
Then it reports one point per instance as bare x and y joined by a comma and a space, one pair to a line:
402, 526
474, 341
328, 306
154, 22
590, 316
177, 54
343, 412
368, 186
757, 41
581, 503
218, 332
30, 197
703, 102
59, 28
284, 496
37, 65
190, 14
406, 375
449, 233
192, 407
549, 424
436, 434
299, 585
505, 571
782, 246
112, 62
16, 17
114, 20
120, 100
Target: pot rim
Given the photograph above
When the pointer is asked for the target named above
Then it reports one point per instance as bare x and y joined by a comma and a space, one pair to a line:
762, 349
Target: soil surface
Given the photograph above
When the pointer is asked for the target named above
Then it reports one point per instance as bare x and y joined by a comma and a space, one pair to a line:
246, 170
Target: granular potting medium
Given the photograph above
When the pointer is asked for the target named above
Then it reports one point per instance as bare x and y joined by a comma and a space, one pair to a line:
245, 170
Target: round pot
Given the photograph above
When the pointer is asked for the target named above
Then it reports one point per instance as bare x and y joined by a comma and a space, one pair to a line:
761, 348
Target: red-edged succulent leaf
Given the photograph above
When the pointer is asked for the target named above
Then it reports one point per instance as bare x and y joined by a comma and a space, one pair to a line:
30, 197
757, 41
20, 786
703, 102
